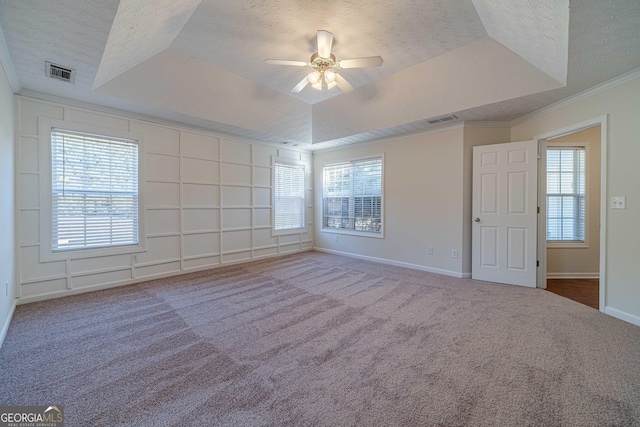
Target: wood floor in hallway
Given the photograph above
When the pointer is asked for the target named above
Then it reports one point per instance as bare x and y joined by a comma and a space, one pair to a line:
584, 291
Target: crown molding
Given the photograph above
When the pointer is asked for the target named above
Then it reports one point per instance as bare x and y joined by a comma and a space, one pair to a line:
7, 64
587, 93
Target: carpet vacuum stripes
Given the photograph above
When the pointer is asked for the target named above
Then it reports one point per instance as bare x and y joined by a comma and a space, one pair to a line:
314, 339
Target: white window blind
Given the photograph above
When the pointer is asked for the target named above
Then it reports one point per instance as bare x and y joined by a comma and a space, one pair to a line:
289, 191
94, 191
352, 196
566, 189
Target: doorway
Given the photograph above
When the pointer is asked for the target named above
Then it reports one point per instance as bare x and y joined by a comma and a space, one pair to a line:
572, 200
584, 291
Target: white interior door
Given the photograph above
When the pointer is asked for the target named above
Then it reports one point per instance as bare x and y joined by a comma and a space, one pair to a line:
504, 213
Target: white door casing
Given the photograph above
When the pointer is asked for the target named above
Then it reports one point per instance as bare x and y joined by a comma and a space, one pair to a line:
505, 213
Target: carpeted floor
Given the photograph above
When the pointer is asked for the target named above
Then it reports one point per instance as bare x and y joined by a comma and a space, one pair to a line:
319, 340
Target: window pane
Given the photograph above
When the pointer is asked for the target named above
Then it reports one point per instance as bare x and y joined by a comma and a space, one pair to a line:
566, 186
289, 190
352, 196
94, 191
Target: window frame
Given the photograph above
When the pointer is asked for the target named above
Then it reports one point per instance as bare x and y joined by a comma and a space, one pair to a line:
45, 126
382, 185
570, 244
305, 168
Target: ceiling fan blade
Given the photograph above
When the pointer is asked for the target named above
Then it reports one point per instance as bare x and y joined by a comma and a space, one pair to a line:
344, 85
370, 61
300, 85
285, 62
325, 40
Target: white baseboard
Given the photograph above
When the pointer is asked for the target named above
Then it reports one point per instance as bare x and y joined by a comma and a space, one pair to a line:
618, 314
7, 321
396, 263
573, 275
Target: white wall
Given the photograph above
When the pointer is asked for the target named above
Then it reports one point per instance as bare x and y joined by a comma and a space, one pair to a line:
208, 204
423, 204
427, 198
581, 261
622, 105
7, 205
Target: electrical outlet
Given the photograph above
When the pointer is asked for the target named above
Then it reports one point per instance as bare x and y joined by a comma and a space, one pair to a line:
429, 250
619, 202
454, 253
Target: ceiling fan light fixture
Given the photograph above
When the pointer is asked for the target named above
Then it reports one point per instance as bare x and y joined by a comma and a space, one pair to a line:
330, 77
314, 77
317, 85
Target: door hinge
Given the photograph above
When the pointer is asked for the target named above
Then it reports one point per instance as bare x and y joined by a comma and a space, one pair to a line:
537, 263
538, 209
539, 156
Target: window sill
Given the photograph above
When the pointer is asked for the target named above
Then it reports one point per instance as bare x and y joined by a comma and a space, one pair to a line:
71, 254
353, 233
288, 231
567, 245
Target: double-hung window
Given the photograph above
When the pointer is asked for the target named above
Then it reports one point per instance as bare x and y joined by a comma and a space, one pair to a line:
94, 207
289, 197
352, 197
566, 191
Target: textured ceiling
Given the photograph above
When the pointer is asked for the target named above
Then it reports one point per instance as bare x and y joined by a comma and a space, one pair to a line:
537, 30
141, 30
221, 83
239, 35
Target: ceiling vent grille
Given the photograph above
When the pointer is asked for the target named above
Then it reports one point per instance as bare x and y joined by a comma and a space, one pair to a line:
441, 119
61, 73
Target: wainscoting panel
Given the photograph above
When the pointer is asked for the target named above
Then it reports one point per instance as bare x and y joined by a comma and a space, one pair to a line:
207, 197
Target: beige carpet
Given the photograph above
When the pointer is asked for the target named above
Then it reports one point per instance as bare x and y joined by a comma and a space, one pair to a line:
319, 340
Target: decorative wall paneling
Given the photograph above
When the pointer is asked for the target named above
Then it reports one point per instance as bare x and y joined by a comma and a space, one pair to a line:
208, 204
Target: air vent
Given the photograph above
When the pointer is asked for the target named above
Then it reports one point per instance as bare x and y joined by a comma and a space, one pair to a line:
61, 73
441, 119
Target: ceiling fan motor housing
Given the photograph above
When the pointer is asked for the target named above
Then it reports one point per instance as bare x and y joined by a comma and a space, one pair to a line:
322, 64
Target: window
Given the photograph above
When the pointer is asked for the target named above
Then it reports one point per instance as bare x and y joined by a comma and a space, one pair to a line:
566, 182
352, 196
289, 200
94, 191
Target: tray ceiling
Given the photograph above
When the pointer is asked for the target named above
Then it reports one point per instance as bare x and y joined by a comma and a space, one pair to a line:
200, 62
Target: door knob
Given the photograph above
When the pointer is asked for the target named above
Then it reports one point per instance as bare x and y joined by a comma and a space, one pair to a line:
477, 220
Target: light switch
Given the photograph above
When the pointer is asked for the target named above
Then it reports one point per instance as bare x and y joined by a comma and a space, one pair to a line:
619, 202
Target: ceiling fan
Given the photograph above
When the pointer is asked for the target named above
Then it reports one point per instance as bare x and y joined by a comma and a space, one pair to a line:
325, 66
